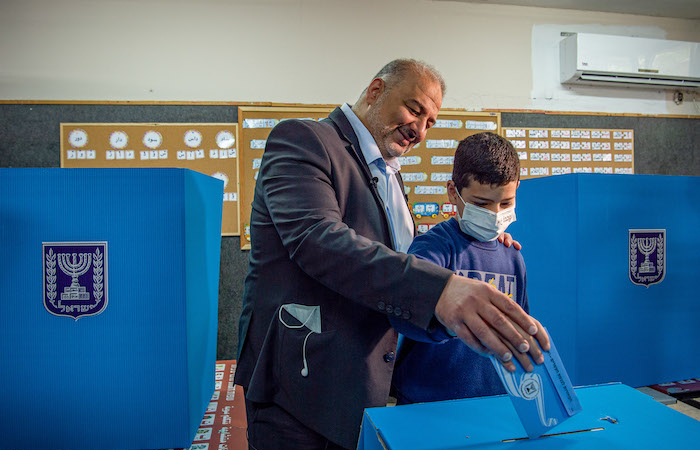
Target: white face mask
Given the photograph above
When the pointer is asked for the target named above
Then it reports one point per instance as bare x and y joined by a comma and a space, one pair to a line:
483, 224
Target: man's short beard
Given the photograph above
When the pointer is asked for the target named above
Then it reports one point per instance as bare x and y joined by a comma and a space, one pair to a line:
379, 132
401, 153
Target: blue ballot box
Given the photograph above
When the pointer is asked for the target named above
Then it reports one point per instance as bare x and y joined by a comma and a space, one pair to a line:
612, 265
614, 416
109, 290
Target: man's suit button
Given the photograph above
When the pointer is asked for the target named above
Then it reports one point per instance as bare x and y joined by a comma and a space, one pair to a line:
381, 306
389, 309
389, 357
406, 315
397, 311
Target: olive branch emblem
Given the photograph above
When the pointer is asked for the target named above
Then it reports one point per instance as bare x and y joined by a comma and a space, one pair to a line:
659, 254
97, 277
51, 277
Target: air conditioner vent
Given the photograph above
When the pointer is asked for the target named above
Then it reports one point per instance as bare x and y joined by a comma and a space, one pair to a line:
605, 59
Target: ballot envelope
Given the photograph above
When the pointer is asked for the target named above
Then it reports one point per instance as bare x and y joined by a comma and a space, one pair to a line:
543, 398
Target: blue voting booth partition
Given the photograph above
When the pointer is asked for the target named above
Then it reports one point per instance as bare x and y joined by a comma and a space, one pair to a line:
614, 416
612, 268
109, 295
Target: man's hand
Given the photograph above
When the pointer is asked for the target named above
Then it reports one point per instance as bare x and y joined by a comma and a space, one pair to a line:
507, 240
489, 322
534, 352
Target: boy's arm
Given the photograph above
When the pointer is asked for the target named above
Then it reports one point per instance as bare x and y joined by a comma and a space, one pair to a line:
525, 304
520, 295
434, 251
435, 334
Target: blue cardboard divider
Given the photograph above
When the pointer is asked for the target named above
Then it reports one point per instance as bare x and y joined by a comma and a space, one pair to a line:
575, 231
139, 374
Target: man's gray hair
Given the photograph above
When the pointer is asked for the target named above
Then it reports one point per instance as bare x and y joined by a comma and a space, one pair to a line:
398, 69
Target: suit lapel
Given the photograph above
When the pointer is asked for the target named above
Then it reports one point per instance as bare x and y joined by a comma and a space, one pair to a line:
347, 133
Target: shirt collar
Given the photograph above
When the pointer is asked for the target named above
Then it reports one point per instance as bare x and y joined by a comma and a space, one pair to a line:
368, 145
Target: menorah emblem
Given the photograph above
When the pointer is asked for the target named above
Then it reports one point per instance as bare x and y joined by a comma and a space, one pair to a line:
649, 247
74, 268
81, 280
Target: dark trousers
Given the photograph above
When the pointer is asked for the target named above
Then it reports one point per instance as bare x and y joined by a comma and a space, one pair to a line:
272, 428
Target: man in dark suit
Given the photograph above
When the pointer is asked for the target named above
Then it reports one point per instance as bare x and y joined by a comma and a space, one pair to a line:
328, 226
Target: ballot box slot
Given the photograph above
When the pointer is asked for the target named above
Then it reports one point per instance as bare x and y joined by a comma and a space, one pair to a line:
554, 434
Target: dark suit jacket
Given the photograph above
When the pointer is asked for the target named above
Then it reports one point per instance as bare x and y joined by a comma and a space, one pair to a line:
320, 236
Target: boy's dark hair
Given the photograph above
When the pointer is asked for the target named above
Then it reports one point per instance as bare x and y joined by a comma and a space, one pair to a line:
487, 158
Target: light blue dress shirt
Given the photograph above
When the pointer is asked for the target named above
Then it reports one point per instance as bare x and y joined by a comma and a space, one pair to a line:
388, 186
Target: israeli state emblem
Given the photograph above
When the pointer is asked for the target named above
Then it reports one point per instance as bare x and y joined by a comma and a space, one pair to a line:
75, 278
647, 256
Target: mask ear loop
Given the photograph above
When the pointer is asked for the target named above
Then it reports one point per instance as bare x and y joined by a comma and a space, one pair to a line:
305, 369
460, 197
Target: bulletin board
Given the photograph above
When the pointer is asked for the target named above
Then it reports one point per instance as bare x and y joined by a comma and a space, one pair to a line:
428, 167
425, 170
255, 125
559, 151
207, 148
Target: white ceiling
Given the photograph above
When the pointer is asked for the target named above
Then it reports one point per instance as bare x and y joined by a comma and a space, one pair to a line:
680, 9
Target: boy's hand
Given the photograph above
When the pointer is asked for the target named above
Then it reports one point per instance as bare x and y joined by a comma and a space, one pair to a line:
507, 240
487, 320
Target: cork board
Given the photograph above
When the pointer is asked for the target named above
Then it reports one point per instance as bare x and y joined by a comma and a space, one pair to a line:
559, 151
255, 125
207, 148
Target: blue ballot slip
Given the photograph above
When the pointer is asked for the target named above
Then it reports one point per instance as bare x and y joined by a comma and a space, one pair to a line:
543, 398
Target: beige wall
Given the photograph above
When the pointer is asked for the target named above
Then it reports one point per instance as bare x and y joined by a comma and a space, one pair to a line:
307, 51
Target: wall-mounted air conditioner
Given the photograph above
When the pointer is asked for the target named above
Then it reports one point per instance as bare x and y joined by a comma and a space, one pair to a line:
604, 59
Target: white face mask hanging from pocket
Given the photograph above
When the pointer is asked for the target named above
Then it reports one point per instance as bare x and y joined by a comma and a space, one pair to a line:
309, 317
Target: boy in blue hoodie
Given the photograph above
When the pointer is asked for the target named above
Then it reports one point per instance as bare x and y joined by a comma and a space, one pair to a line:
485, 176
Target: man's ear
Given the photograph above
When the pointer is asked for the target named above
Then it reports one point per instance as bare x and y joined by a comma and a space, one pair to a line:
375, 90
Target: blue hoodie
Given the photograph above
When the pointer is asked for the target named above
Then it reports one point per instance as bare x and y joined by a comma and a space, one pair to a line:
433, 366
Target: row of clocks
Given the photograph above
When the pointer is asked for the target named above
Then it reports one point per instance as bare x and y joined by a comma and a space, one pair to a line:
152, 139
